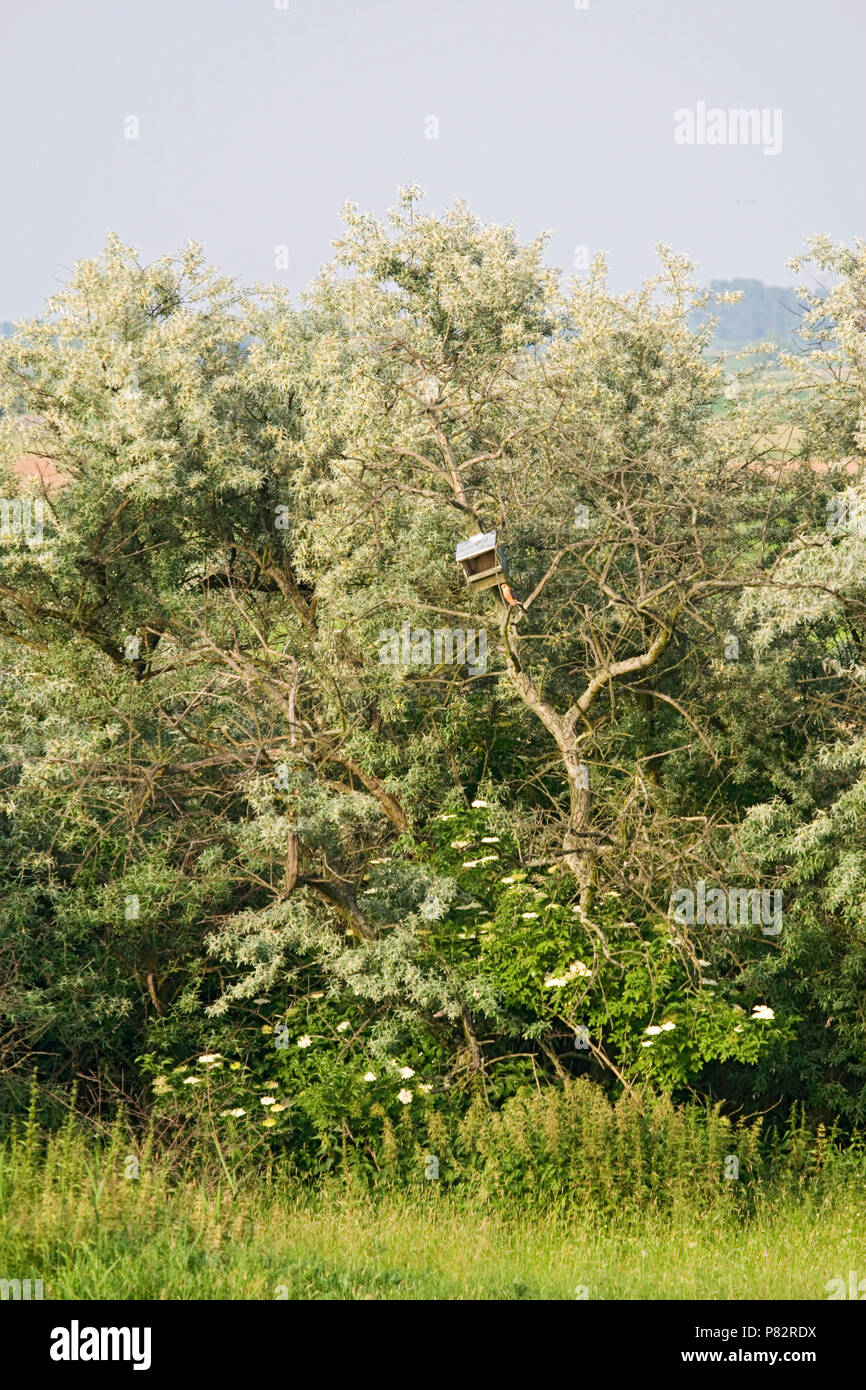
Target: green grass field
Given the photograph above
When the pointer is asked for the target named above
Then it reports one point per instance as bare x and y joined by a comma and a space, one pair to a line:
90, 1233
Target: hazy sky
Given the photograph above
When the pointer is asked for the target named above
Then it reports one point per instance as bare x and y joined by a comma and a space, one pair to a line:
255, 123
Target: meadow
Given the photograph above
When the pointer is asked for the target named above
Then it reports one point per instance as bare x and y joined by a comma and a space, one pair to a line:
78, 1214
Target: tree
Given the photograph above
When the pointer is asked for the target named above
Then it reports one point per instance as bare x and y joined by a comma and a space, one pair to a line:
233, 804
811, 623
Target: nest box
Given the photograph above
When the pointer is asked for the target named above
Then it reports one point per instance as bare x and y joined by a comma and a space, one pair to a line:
482, 563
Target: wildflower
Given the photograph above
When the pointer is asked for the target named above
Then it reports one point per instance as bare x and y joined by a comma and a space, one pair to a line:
234, 1066
578, 968
508, 880
450, 815
305, 1041
209, 1057
270, 1085
370, 1076
666, 1027
490, 839
479, 804
266, 1028
653, 1029
341, 1027
404, 1096
647, 1044
555, 982
460, 844
266, 1100
161, 1085
761, 1011
319, 994
528, 916
488, 859
426, 1088
471, 863
237, 1113
276, 1108
192, 1081
405, 1073
268, 1122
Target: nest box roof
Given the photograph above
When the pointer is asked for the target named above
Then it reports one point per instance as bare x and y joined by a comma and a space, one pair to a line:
476, 545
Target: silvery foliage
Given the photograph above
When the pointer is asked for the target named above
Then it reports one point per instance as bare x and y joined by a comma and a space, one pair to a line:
391, 969
820, 580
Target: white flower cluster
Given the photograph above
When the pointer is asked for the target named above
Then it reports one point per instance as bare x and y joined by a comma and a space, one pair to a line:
577, 970
656, 1028
404, 1095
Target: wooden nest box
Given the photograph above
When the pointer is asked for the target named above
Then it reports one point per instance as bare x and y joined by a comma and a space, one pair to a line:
482, 563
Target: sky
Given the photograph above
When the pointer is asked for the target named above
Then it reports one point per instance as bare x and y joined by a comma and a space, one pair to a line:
246, 124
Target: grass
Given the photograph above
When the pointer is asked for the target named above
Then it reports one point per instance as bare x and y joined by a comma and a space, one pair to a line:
70, 1217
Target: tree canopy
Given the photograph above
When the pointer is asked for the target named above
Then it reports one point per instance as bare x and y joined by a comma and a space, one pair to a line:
227, 806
